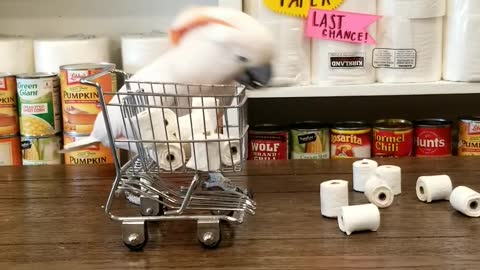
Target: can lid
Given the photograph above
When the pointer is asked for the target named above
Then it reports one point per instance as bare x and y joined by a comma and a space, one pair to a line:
5, 74
309, 125
351, 125
84, 66
432, 122
268, 128
35, 75
41, 136
470, 117
393, 124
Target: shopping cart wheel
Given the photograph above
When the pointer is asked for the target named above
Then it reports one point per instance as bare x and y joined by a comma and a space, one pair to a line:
135, 234
150, 207
208, 233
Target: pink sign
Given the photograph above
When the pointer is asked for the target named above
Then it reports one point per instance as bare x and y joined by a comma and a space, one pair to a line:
340, 26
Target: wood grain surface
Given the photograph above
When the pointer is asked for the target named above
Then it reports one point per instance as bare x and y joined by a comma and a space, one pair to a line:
52, 218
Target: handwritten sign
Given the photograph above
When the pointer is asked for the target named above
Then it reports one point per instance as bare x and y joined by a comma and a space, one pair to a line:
340, 26
300, 8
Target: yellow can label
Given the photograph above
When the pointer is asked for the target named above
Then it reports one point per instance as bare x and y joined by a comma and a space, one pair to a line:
8, 106
97, 154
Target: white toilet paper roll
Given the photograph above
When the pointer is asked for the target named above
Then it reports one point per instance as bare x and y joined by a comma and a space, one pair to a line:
463, 7
365, 217
230, 152
433, 188
16, 54
333, 196
206, 156
362, 171
51, 53
201, 120
169, 157
330, 57
156, 124
378, 192
466, 201
139, 50
392, 175
412, 8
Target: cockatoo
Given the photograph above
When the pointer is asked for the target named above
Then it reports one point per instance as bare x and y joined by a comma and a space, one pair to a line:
209, 45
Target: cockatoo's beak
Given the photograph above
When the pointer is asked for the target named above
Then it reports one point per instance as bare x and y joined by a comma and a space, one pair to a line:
256, 77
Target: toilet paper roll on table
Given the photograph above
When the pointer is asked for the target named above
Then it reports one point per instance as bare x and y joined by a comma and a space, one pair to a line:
140, 49
333, 196
466, 201
392, 175
433, 188
365, 217
16, 54
362, 171
378, 192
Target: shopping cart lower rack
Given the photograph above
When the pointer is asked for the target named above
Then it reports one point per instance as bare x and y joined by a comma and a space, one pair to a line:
170, 129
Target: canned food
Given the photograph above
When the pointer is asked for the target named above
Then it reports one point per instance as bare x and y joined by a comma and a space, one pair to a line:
392, 137
310, 140
10, 151
469, 136
267, 142
80, 103
95, 154
350, 139
8, 105
39, 104
41, 150
433, 137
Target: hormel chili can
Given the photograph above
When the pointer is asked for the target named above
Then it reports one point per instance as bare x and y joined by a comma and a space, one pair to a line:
433, 138
392, 138
350, 139
469, 136
267, 142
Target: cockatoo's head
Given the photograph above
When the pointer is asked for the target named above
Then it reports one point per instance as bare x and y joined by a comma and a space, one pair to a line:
226, 44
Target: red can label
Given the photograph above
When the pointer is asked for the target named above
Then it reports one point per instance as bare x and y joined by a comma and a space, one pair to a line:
433, 141
388, 143
350, 143
272, 146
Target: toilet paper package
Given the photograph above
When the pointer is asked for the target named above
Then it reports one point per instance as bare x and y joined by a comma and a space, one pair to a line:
392, 175
16, 54
365, 217
433, 188
378, 192
362, 171
466, 201
463, 7
140, 49
333, 196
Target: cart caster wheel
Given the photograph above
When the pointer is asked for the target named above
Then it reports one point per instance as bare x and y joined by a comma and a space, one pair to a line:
209, 233
210, 241
135, 235
138, 247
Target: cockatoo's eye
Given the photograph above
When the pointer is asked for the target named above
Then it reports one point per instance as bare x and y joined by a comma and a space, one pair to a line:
242, 59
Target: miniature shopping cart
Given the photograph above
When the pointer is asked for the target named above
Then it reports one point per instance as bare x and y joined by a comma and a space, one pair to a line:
169, 133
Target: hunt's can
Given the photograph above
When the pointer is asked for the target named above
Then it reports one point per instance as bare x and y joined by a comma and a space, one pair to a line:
80, 102
10, 151
433, 138
267, 142
392, 138
350, 139
8, 105
469, 136
96, 154
39, 104
309, 140
41, 150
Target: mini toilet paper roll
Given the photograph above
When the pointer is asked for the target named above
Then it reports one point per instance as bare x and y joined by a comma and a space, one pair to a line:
365, 217
392, 175
362, 171
466, 201
206, 156
333, 196
139, 50
156, 124
169, 157
433, 188
51, 53
201, 120
378, 192
230, 152
16, 54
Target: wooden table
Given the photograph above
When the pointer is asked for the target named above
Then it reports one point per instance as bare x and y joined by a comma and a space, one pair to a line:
52, 218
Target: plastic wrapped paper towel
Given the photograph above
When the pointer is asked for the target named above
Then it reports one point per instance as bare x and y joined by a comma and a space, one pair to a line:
327, 52
409, 40
16, 54
365, 217
466, 201
333, 196
291, 65
139, 50
433, 188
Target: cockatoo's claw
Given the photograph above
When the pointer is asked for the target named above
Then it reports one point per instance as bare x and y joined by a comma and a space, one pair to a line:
217, 181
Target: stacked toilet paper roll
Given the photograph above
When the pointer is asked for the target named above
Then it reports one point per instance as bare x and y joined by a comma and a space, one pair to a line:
365, 217
379, 192
433, 188
51, 53
333, 196
326, 52
392, 175
140, 49
16, 54
462, 42
410, 37
291, 64
170, 156
362, 171
466, 201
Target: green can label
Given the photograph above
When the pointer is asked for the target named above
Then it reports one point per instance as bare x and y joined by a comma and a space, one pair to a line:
39, 106
310, 144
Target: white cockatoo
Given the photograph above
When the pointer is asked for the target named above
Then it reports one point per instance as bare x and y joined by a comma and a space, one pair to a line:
209, 45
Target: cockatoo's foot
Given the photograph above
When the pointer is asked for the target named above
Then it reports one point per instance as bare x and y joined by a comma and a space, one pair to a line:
217, 181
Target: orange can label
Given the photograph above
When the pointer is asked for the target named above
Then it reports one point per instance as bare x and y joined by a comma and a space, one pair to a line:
10, 153
96, 154
8, 106
469, 138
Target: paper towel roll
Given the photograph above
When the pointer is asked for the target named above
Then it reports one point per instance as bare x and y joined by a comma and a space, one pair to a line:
291, 64
392, 175
412, 8
362, 171
433, 188
333, 195
365, 217
16, 54
378, 192
463, 7
466, 201
139, 50
51, 53
327, 55
169, 156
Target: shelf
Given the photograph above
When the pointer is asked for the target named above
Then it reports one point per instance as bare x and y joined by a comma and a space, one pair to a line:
377, 89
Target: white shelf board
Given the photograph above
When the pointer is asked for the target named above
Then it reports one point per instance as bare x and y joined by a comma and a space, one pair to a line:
377, 89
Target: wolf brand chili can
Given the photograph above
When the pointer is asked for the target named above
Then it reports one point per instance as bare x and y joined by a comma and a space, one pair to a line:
392, 138
267, 142
469, 136
309, 140
41, 150
80, 102
39, 104
8, 105
350, 139
10, 151
433, 138
96, 154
